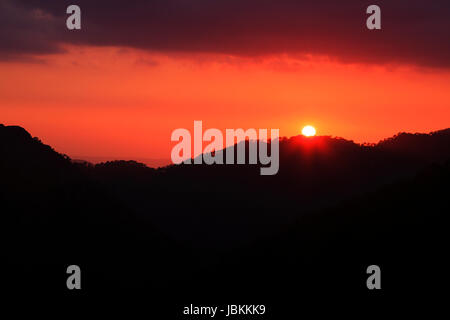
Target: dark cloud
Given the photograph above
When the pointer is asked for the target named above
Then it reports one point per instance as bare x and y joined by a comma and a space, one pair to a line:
413, 31
26, 31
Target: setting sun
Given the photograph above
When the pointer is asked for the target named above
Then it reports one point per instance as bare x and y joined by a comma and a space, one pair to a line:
309, 131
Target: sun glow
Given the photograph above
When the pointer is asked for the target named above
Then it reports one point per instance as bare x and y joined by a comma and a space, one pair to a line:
309, 131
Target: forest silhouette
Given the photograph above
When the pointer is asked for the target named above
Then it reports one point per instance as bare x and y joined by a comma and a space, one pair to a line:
196, 231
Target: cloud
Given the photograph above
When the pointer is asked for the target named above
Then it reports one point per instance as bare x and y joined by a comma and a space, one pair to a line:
26, 31
413, 31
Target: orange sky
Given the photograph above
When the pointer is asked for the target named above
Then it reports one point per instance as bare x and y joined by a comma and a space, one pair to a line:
122, 103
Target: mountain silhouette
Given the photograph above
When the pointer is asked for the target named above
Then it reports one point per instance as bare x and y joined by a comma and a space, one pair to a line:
334, 208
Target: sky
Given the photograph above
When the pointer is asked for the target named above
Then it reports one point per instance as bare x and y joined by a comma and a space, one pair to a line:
137, 70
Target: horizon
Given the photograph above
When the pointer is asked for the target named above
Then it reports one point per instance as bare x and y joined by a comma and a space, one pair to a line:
164, 162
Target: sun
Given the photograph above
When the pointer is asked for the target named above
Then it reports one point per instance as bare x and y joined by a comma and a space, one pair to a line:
309, 131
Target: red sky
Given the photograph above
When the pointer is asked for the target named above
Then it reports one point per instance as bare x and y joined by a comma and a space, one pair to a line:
110, 102
120, 103
136, 71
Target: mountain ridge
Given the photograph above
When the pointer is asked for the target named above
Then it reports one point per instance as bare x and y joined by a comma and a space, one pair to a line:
405, 139
198, 231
